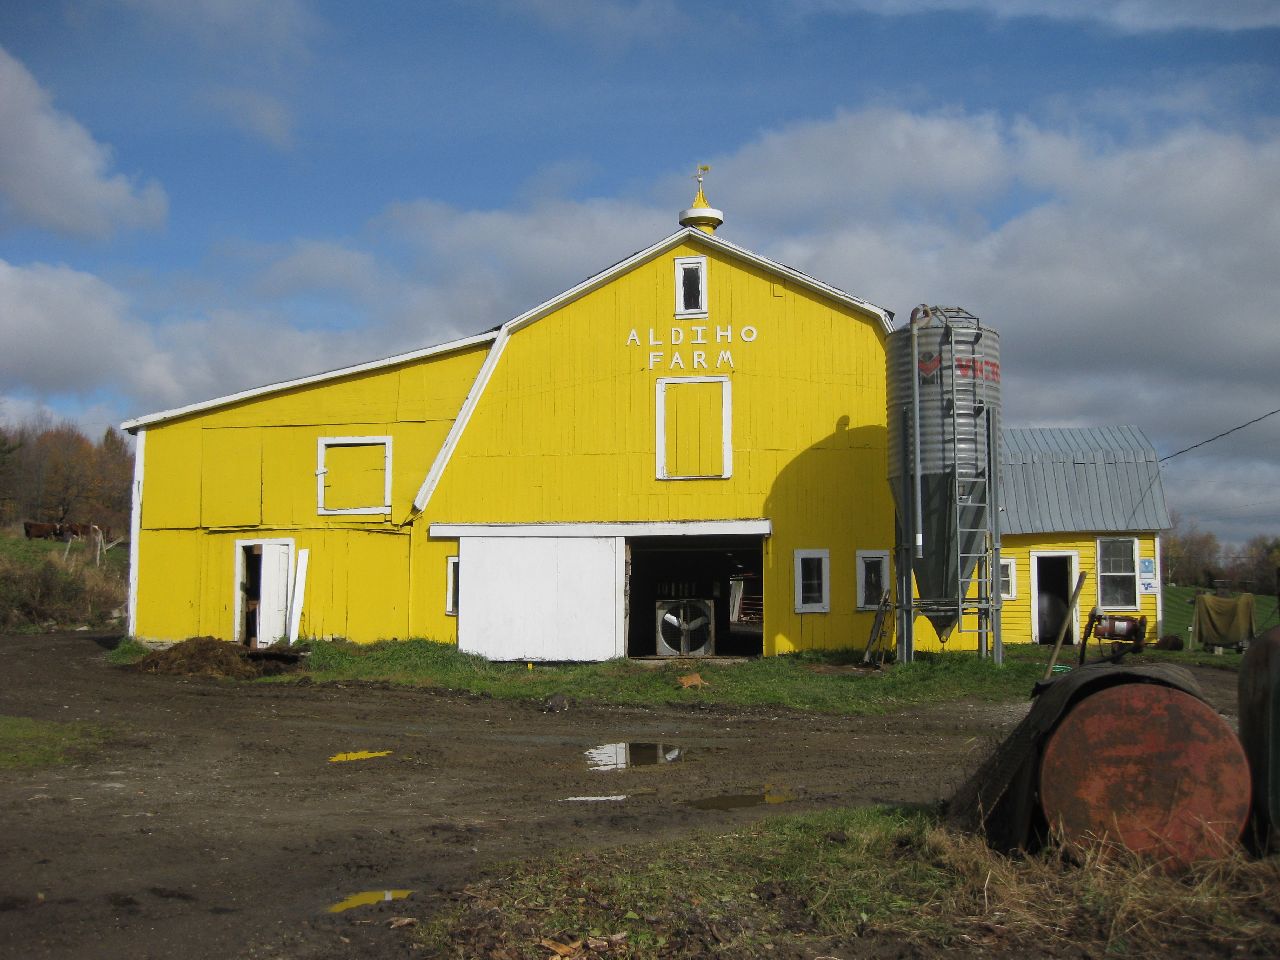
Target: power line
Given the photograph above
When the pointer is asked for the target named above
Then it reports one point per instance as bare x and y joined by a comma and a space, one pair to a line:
1219, 436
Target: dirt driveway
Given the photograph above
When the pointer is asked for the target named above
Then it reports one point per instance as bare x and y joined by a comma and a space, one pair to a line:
214, 824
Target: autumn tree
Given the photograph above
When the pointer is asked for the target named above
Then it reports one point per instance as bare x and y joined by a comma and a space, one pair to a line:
54, 473
1254, 568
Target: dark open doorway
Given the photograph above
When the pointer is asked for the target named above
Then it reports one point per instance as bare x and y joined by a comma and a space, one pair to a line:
1053, 594
705, 593
250, 593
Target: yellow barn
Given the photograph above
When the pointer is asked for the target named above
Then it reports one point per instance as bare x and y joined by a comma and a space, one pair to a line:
685, 453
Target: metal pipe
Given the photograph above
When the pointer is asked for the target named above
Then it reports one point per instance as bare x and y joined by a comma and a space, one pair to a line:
917, 529
993, 513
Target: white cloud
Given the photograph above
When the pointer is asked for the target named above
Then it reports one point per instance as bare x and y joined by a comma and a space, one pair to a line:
256, 113
54, 175
485, 266
67, 332
1131, 16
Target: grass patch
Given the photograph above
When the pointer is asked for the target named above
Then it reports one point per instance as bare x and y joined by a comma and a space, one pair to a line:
27, 743
796, 682
126, 652
817, 883
1035, 653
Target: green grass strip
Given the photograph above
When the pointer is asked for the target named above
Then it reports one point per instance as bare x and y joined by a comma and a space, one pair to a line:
815, 682
27, 743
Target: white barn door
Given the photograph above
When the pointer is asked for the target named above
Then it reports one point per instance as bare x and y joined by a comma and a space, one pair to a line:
542, 598
273, 608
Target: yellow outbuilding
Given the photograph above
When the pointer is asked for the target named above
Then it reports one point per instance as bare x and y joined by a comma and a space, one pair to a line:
685, 453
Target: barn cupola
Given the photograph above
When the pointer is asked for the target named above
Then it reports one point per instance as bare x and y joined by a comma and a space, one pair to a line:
701, 214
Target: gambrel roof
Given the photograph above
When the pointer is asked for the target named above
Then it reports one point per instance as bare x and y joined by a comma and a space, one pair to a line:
498, 335
1060, 480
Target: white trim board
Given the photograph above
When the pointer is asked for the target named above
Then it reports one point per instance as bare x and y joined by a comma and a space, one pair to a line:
687, 234
152, 418
639, 528
322, 448
726, 428
135, 529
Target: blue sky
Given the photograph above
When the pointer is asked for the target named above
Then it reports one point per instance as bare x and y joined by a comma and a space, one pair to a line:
201, 197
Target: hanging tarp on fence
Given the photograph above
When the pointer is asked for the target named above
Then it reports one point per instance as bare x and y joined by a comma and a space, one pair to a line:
1224, 621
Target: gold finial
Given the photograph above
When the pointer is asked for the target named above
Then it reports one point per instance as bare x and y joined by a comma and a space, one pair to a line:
700, 200
700, 213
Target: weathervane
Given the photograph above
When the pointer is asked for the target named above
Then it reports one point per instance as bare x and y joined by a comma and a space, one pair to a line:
702, 168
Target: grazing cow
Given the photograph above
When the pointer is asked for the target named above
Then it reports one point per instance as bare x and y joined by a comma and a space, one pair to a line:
41, 531
81, 530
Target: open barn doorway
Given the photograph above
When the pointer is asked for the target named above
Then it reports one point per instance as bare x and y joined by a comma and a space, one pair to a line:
695, 596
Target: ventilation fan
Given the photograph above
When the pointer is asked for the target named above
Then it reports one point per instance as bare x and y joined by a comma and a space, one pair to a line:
686, 628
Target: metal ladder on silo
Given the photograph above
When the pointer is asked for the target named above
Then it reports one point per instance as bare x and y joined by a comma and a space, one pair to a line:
971, 488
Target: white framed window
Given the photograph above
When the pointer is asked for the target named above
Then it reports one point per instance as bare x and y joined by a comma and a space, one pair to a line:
691, 286
451, 586
353, 475
1008, 579
873, 577
813, 581
1118, 573
694, 428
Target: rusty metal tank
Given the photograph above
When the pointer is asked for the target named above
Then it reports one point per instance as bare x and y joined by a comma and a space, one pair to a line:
1259, 687
1149, 767
953, 370
1127, 754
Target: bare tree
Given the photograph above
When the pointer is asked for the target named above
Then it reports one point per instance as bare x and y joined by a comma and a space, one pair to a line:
1188, 555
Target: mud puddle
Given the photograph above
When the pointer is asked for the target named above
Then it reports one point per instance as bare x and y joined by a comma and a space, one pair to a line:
626, 754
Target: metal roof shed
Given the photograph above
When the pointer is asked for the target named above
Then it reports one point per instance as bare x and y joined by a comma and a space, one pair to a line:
1064, 479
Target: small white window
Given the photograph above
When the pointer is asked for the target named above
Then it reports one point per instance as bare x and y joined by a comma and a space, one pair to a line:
813, 581
873, 578
694, 428
353, 475
1118, 573
1008, 579
691, 286
451, 586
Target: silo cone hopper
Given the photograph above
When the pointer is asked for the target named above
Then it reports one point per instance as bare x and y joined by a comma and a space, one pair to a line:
944, 404
954, 540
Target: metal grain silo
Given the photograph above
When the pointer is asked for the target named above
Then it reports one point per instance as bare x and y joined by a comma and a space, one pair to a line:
944, 412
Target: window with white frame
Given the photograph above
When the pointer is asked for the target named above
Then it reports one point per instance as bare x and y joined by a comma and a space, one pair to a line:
813, 581
451, 586
694, 428
1118, 573
353, 475
691, 286
1008, 579
873, 577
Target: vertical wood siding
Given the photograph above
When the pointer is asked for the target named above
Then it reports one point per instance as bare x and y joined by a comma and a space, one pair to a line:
248, 471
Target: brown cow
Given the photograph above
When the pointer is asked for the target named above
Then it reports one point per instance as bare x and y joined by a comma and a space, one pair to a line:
70, 530
41, 531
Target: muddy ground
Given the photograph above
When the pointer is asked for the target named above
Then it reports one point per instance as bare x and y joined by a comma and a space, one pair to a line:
213, 824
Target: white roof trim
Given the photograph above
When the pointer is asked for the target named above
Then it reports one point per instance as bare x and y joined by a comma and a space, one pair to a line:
630, 528
152, 418
689, 233
432, 480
